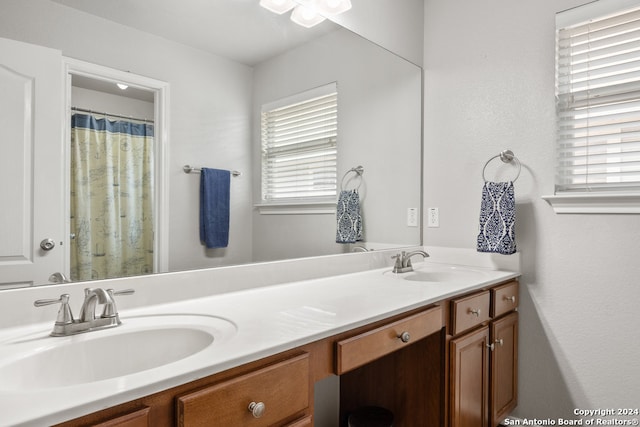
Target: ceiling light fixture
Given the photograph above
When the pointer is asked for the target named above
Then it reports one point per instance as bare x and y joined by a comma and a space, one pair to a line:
307, 16
122, 86
307, 12
278, 6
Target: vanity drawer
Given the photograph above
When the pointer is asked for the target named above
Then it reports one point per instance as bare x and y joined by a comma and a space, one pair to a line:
283, 388
469, 311
361, 349
505, 298
139, 418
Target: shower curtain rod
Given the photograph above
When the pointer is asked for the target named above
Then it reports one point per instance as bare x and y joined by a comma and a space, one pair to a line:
84, 110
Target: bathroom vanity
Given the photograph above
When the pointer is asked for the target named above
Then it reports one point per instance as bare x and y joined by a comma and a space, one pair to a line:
459, 353
437, 347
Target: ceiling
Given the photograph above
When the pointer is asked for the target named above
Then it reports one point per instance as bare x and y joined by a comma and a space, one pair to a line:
240, 30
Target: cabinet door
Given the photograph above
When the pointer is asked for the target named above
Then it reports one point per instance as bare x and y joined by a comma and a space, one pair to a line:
469, 379
504, 367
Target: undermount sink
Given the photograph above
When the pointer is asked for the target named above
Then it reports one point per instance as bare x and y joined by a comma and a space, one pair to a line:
140, 344
441, 274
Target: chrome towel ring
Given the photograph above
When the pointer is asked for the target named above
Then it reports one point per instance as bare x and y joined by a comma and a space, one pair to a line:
358, 170
506, 156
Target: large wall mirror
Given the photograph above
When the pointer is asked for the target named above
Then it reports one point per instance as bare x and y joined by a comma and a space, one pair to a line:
222, 61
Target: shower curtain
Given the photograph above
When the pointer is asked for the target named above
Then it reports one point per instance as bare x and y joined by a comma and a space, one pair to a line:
112, 190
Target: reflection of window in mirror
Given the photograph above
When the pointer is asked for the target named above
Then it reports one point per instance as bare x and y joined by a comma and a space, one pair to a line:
299, 147
111, 180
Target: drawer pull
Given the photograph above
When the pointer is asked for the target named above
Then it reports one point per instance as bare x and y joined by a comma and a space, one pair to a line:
257, 409
404, 337
499, 341
512, 298
475, 311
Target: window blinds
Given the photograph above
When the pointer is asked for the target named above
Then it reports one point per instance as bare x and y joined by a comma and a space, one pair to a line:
299, 152
598, 103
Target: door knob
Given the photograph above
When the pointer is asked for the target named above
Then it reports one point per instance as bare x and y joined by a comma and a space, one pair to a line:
47, 244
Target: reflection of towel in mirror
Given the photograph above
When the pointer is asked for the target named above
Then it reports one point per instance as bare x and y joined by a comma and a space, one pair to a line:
349, 229
497, 218
214, 207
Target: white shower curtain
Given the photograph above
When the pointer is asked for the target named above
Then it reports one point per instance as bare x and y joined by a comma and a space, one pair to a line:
111, 198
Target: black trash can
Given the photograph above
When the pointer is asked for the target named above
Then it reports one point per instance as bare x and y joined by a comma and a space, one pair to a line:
371, 416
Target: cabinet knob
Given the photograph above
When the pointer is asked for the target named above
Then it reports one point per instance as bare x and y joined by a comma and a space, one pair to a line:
404, 337
257, 409
475, 311
512, 298
499, 341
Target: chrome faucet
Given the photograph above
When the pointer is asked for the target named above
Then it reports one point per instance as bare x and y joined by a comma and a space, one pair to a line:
91, 297
403, 261
65, 323
59, 278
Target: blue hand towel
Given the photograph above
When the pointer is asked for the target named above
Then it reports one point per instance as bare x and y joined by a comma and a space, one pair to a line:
497, 218
349, 219
214, 207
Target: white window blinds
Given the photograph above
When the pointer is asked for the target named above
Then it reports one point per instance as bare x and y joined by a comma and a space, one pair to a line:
299, 152
598, 100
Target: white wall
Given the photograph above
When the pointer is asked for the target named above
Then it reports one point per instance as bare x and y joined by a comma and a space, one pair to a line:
105, 102
489, 86
210, 107
379, 128
392, 24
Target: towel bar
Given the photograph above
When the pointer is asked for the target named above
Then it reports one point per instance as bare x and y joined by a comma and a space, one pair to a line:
506, 156
191, 169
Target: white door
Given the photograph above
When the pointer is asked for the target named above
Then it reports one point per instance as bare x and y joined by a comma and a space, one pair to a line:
31, 164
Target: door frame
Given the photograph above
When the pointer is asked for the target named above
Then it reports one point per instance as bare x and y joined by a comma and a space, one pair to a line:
161, 150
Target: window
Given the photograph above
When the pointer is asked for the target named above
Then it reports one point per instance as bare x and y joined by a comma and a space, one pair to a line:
299, 147
598, 100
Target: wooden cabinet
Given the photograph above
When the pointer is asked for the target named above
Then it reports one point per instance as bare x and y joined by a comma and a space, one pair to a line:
139, 418
453, 364
483, 357
270, 396
469, 379
363, 348
504, 367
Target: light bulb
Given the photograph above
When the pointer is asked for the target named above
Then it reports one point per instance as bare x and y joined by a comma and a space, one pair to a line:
306, 16
278, 6
333, 7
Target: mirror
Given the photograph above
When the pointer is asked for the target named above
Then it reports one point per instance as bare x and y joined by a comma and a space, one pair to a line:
221, 68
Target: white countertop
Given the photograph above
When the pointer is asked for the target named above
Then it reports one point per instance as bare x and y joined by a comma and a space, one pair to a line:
268, 320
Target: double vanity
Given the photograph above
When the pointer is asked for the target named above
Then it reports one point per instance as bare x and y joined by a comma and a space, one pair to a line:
240, 346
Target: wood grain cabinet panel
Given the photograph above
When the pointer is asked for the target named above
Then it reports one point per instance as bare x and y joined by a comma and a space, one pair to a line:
504, 299
504, 367
283, 388
361, 349
305, 422
469, 379
470, 311
139, 418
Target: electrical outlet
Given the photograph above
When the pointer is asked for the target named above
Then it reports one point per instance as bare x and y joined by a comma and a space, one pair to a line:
412, 217
433, 217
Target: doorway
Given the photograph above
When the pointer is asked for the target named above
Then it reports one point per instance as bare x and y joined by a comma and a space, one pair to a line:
115, 169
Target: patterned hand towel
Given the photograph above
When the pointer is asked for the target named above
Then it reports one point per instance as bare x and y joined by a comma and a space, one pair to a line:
214, 207
497, 218
349, 229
